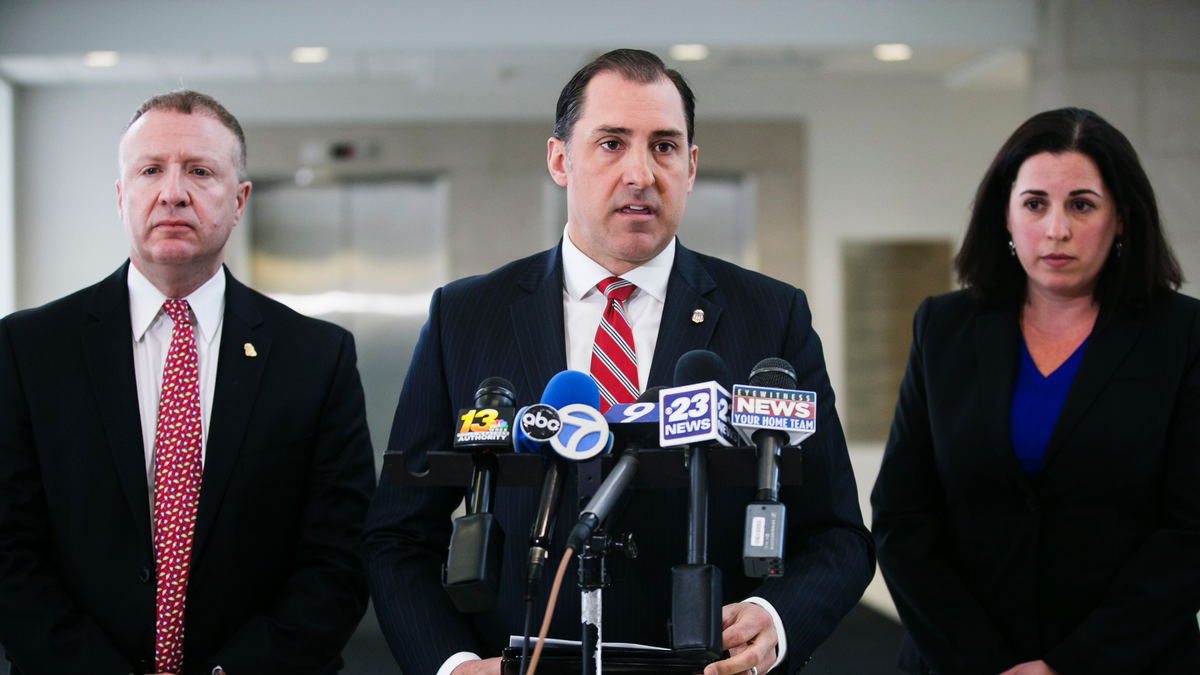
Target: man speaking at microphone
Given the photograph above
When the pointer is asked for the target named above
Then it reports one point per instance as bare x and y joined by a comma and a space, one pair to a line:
622, 299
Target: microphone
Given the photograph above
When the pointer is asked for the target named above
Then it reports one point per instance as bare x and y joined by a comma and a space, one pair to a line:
696, 413
770, 413
638, 431
471, 575
762, 544
537, 425
636, 422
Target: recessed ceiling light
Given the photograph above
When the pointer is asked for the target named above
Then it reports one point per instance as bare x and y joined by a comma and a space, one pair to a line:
689, 52
101, 59
893, 52
310, 54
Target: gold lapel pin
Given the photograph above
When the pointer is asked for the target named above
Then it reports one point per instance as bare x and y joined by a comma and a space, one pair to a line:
252, 353
698, 316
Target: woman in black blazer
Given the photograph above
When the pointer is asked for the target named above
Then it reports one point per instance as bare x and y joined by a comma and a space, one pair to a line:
1038, 507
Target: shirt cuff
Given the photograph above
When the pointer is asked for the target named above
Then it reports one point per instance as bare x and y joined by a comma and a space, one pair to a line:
781, 646
456, 661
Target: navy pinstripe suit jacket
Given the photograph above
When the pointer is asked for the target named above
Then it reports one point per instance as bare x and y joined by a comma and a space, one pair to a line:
509, 323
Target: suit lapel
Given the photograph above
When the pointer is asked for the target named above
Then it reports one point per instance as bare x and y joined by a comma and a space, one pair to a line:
238, 378
538, 322
998, 345
678, 333
108, 349
1107, 347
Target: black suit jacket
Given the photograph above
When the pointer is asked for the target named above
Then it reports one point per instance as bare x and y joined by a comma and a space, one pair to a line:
276, 584
1094, 563
509, 323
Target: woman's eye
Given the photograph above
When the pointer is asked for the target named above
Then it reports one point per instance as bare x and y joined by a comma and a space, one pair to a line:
1033, 205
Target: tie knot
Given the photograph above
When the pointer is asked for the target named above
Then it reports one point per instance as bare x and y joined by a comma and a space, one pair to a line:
616, 288
177, 310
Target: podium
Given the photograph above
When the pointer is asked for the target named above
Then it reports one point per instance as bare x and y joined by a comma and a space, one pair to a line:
658, 468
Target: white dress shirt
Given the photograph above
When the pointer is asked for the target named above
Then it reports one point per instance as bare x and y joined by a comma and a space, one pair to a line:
583, 307
152, 330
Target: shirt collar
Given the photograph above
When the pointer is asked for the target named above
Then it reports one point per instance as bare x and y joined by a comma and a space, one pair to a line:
581, 273
146, 301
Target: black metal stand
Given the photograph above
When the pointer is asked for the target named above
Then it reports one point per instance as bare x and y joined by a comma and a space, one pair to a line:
593, 579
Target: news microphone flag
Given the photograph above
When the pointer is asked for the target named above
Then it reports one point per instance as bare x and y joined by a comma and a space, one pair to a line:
694, 413
787, 410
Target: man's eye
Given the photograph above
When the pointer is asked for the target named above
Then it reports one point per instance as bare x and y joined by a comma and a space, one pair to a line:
201, 172
664, 147
150, 172
610, 145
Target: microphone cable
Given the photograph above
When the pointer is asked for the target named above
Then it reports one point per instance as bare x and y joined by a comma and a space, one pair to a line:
525, 634
558, 578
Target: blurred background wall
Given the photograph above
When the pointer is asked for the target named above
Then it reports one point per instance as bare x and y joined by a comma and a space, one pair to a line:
396, 146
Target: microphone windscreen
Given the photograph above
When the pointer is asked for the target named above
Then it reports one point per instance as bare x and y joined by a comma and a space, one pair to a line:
571, 386
650, 395
773, 373
701, 365
496, 392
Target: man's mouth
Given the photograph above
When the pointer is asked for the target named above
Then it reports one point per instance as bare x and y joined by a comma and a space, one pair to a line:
636, 209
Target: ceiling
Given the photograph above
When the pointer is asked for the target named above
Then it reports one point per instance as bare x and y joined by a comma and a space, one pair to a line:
473, 45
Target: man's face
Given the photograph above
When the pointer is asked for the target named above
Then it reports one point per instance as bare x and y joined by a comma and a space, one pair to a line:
628, 170
178, 195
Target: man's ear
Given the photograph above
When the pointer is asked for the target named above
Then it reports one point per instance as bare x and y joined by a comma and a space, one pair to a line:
556, 161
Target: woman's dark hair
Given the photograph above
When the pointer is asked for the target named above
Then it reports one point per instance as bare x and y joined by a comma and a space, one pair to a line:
635, 65
1146, 265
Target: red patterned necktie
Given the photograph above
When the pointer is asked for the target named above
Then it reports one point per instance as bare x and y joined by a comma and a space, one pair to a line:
177, 471
614, 363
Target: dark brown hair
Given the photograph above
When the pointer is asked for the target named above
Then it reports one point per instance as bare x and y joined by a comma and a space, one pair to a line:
634, 65
1146, 265
187, 101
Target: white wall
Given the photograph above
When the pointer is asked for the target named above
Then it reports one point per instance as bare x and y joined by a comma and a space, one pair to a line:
8, 272
68, 233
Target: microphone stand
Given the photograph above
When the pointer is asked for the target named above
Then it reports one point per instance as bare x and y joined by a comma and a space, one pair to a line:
698, 505
696, 586
592, 577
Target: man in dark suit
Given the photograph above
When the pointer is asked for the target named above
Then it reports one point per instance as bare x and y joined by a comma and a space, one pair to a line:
184, 463
623, 149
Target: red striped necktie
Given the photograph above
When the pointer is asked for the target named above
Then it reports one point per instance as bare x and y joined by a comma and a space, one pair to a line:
177, 472
614, 363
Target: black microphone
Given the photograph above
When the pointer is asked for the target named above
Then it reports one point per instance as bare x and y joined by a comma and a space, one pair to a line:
471, 575
566, 388
762, 545
609, 494
696, 586
695, 367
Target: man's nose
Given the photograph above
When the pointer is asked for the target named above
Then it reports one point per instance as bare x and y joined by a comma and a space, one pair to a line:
174, 188
639, 168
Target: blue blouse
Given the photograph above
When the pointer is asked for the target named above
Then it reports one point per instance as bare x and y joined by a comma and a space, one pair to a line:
1036, 404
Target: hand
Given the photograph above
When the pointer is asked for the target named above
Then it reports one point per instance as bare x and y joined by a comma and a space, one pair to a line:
749, 634
1031, 668
484, 667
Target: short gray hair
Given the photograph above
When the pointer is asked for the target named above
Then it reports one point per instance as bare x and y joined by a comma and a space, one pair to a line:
187, 101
